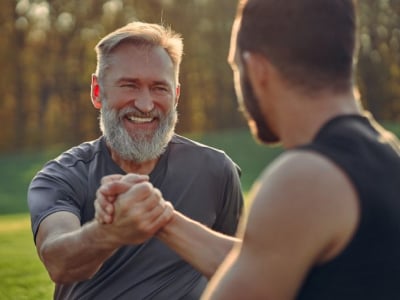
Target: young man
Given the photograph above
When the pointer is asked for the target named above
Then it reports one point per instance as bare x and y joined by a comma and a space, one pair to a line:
325, 220
136, 89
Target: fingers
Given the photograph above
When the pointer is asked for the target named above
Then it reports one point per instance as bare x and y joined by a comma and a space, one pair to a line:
135, 194
135, 178
106, 195
156, 211
104, 209
164, 217
144, 206
111, 178
114, 188
117, 184
101, 216
152, 221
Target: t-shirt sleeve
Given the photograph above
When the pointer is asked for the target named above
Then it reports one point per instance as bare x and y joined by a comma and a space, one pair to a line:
232, 199
55, 188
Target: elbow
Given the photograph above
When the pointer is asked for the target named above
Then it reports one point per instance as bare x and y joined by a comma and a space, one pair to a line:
57, 272
61, 271
65, 275
53, 264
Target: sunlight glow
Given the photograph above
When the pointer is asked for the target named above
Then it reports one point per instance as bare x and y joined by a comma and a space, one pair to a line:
112, 6
22, 7
65, 22
39, 14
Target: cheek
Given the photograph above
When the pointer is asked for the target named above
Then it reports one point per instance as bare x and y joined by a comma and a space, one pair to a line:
165, 102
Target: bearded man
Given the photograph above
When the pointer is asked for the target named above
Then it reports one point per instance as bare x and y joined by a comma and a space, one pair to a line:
138, 162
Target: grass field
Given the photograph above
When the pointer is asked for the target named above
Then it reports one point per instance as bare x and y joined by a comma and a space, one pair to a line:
22, 276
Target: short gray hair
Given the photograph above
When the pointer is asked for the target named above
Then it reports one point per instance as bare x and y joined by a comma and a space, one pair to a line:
140, 34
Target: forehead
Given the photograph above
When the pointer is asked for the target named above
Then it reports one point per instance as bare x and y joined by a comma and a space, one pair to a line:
140, 62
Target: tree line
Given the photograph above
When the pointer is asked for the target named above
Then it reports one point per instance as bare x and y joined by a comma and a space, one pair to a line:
47, 58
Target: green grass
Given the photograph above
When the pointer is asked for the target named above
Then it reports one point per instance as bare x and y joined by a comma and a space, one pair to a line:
17, 172
22, 275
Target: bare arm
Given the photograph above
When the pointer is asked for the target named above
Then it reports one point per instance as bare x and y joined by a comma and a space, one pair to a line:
304, 213
71, 252
138, 215
200, 246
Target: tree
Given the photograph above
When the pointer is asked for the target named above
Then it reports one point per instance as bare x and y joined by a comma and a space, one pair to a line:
379, 57
49, 58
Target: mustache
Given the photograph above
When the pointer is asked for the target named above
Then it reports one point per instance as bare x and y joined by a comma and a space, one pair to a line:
133, 111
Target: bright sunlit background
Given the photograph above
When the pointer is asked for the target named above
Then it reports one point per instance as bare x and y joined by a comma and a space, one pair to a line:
47, 59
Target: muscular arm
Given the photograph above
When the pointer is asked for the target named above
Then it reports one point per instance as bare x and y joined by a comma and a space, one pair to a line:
304, 213
73, 253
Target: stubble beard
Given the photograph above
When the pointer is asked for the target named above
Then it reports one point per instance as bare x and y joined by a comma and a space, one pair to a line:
249, 105
142, 146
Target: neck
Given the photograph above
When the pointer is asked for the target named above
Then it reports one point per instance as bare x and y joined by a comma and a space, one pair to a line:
302, 117
129, 166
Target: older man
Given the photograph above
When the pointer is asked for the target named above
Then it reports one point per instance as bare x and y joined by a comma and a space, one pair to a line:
136, 88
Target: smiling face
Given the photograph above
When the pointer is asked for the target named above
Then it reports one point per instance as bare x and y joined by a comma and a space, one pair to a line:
138, 96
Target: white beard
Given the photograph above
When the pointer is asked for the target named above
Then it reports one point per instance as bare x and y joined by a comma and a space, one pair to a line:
143, 146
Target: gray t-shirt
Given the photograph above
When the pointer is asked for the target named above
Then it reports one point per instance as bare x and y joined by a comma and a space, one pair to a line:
200, 181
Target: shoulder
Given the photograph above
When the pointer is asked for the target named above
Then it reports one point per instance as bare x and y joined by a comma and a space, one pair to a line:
302, 166
301, 175
203, 153
84, 153
214, 162
184, 142
72, 163
306, 197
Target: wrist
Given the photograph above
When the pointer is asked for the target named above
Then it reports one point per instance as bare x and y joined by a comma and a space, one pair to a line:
96, 234
170, 229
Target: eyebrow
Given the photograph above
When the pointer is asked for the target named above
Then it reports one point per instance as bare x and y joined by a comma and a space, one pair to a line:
136, 80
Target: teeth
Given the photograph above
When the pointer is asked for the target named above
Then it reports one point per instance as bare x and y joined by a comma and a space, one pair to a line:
139, 120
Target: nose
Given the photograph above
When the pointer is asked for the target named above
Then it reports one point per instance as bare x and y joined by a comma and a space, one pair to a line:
144, 101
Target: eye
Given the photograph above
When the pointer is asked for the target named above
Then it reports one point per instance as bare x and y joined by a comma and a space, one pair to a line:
128, 85
160, 89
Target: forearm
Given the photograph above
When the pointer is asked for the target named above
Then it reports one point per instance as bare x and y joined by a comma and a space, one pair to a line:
200, 246
76, 255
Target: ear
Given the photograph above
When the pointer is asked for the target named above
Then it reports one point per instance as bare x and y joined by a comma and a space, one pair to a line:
258, 70
178, 93
95, 92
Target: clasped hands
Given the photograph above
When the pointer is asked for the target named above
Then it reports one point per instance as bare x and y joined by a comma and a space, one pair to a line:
129, 209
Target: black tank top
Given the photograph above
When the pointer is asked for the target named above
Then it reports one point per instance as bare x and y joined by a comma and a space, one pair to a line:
369, 266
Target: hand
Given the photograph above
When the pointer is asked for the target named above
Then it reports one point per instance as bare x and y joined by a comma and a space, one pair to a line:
139, 210
111, 187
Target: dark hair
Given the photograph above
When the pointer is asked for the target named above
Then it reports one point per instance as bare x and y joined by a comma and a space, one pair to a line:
311, 42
